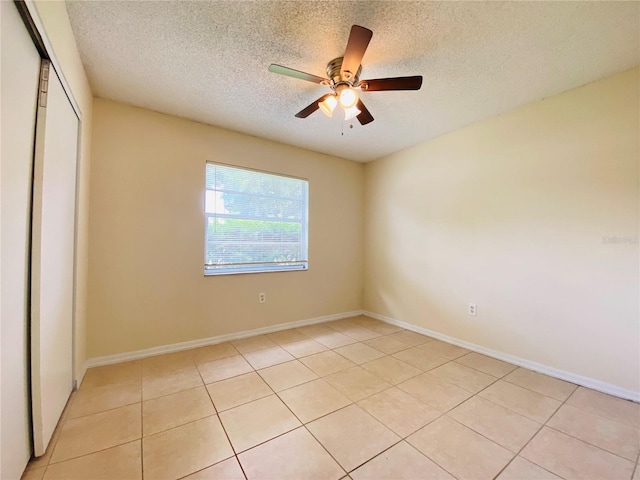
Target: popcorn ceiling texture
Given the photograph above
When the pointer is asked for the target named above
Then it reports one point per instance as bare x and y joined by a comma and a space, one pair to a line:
207, 61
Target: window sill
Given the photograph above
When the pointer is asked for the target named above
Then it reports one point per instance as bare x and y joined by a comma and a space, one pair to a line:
215, 273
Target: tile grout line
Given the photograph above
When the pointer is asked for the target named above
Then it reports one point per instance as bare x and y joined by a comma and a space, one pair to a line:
111, 409
271, 388
233, 449
49, 463
636, 468
60, 425
141, 401
598, 414
378, 454
402, 439
473, 394
515, 367
236, 455
194, 363
190, 422
92, 453
363, 342
534, 391
445, 414
535, 435
405, 439
277, 436
391, 355
478, 433
304, 425
511, 409
390, 386
588, 443
169, 429
563, 402
478, 395
425, 455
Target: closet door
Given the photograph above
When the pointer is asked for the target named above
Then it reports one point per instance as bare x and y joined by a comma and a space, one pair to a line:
18, 97
53, 253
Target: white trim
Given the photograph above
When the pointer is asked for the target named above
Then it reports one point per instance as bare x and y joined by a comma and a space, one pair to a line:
37, 21
521, 362
203, 342
80, 377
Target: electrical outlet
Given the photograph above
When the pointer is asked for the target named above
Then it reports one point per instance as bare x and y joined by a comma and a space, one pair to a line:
473, 309
262, 297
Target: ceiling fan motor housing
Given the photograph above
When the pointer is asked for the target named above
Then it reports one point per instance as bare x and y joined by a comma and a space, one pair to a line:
336, 78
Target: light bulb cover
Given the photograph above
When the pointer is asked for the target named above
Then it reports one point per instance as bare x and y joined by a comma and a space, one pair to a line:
328, 105
351, 112
348, 97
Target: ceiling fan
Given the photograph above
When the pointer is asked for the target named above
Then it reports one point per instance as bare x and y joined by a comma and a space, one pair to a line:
344, 80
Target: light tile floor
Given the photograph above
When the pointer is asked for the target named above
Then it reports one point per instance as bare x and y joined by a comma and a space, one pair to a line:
355, 396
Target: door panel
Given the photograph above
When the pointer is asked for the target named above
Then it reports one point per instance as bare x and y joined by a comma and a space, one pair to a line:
52, 285
19, 92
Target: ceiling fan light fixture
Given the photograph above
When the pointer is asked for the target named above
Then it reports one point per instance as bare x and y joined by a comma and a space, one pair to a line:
343, 77
328, 105
351, 112
348, 97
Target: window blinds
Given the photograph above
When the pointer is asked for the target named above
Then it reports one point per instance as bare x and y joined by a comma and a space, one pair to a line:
255, 221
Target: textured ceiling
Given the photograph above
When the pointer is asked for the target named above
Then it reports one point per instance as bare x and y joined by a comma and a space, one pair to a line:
208, 61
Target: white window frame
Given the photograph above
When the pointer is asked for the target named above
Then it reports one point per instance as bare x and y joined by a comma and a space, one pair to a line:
300, 265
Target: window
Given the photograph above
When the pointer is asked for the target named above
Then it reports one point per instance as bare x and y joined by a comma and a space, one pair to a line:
255, 221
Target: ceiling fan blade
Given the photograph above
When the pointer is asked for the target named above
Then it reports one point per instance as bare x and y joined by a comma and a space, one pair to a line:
397, 83
290, 72
305, 112
365, 116
359, 39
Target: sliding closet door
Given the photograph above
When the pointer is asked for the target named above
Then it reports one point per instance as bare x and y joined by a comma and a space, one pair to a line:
52, 270
19, 92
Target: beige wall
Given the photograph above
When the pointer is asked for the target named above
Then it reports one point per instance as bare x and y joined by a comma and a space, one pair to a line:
510, 213
146, 283
58, 30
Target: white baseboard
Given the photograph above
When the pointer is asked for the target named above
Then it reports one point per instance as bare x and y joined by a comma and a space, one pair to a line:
80, 377
521, 362
203, 342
